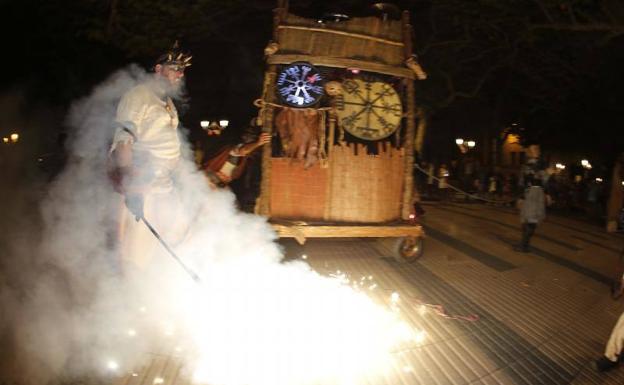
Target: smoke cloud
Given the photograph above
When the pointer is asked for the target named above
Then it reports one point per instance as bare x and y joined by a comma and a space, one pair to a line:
75, 310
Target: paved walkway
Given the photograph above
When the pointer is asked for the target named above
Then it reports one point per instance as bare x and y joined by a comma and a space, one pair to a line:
543, 316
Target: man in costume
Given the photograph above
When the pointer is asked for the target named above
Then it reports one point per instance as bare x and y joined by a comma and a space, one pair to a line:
229, 162
143, 158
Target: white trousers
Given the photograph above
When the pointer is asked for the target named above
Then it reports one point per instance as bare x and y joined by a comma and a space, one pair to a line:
138, 246
616, 341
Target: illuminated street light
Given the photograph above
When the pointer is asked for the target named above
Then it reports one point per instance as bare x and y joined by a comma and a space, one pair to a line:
214, 127
5, 139
14, 137
586, 165
560, 166
465, 145
599, 180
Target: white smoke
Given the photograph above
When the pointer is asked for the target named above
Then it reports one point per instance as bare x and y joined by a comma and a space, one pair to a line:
252, 320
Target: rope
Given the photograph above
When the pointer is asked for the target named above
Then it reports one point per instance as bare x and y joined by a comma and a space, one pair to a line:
473, 196
261, 104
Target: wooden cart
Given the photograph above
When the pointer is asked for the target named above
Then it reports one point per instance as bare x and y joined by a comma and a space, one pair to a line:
361, 184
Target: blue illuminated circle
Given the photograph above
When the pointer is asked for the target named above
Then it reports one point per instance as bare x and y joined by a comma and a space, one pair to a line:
300, 85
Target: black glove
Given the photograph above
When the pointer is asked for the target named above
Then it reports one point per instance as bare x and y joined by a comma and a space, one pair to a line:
134, 202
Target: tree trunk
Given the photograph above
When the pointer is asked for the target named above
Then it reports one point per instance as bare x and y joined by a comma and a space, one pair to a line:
616, 195
112, 15
421, 113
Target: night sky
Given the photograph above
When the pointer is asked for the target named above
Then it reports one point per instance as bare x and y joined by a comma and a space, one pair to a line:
553, 67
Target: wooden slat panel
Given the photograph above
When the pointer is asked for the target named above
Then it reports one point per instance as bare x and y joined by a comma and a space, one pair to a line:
370, 38
366, 188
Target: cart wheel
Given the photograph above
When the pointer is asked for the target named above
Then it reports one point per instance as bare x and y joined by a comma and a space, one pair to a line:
408, 249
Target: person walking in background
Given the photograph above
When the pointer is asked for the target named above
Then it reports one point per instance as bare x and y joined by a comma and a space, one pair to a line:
532, 210
492, 186
430, 175
443, 175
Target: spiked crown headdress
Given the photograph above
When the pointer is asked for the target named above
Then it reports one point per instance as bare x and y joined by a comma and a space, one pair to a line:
175, 56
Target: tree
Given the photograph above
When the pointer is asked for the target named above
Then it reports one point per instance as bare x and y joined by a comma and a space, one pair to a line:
523, 59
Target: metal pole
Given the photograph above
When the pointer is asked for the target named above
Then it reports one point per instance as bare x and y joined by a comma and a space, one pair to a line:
166, 246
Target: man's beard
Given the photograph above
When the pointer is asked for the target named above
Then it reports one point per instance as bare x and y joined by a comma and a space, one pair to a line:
176, 90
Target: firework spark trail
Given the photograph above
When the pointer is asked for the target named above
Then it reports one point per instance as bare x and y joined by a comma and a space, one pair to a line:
288, 325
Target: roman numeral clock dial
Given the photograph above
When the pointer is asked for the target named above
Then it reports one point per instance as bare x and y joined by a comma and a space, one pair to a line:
369, 110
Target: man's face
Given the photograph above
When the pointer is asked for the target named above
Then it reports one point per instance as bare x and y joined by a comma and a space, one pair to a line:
172, 73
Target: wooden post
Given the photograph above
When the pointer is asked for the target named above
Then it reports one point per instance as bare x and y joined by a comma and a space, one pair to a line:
330, 174
614, 205
278, 15
422, 129
268, 95
332, 132
408, 145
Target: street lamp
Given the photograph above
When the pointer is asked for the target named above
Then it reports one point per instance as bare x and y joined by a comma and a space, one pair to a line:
215, 127
465, 145
5, 140
560, 166
14, 137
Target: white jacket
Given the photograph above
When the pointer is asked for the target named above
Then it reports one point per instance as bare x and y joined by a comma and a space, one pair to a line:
149, 122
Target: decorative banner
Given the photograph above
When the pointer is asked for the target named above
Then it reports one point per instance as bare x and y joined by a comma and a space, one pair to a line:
300, 85
369, 110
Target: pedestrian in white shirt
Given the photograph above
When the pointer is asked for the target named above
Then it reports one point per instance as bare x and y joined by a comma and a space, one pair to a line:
532, 210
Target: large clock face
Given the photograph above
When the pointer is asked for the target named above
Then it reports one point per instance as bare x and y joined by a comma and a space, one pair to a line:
369, 110
300, 85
